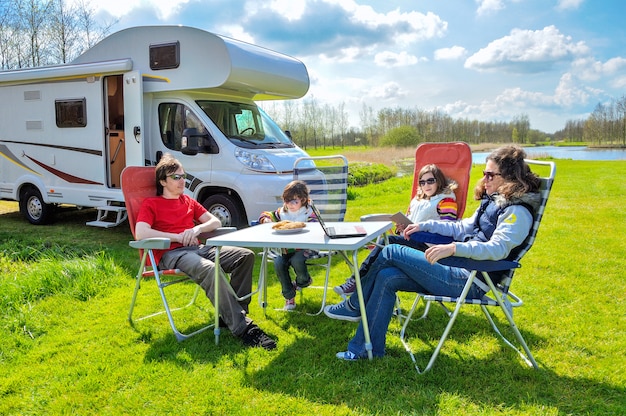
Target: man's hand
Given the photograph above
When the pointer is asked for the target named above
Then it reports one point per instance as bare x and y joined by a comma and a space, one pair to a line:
189, 237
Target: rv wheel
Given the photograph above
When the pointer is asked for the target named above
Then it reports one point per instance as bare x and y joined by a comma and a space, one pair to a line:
225, 208
34, 209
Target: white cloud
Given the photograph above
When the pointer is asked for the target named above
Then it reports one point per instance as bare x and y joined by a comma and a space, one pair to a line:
290, 9
487, 6
422, 26
391, 59
346, 55
589, 69
568, 94
527, 51
619, 82
119, 8
568, 4
385, 92
455, 52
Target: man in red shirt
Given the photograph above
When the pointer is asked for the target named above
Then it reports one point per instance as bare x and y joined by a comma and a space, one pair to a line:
176, 216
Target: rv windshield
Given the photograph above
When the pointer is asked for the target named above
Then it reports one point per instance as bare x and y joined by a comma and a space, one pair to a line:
245, 124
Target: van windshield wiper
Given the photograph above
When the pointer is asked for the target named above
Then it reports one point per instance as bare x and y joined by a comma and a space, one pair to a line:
241, 139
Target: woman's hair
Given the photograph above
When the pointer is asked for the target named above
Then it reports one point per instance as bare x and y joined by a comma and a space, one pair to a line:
168, 165
296, 190
443, 183
518, 178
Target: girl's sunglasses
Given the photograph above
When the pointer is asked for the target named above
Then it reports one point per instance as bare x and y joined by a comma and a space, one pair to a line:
429, 181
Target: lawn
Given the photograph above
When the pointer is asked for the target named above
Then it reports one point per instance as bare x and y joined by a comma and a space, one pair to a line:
66, 347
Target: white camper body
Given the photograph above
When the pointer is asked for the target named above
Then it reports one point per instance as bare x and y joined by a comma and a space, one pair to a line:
67, 131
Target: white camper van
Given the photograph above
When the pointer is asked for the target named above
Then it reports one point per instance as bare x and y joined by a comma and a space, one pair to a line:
67, 131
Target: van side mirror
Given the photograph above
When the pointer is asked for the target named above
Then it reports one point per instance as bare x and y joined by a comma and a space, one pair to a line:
288, 134
189, 142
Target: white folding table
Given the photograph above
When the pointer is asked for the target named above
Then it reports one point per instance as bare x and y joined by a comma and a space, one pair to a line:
312, 237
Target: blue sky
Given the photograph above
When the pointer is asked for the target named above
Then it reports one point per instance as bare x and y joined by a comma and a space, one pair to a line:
492, 60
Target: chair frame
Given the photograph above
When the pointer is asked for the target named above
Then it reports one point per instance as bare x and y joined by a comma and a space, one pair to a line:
504, 299
144, 178
455, 161
329, 193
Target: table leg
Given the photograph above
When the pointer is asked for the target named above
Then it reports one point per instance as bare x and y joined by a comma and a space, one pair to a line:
216, 329
366, 328
264, 272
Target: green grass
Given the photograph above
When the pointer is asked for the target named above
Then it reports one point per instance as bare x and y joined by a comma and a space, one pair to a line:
66, 347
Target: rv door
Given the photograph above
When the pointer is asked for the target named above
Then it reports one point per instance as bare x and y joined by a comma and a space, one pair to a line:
133, 119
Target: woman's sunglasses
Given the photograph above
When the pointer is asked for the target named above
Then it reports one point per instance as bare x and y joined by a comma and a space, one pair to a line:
429, 181
490, 175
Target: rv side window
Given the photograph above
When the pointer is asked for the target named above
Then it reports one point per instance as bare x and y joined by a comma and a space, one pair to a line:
165, 56
71, 113
173, 119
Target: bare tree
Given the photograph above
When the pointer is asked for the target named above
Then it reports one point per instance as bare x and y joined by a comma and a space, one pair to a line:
63, 31
33, 21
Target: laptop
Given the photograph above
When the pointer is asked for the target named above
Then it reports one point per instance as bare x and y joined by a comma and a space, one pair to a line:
339, 231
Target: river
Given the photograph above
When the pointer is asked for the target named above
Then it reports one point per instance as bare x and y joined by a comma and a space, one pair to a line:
566, 152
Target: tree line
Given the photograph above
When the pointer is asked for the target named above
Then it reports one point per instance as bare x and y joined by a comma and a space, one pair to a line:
46, 32
606, 126
314, 125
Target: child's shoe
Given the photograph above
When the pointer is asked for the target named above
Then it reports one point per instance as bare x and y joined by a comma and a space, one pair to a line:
290, 304
346, 289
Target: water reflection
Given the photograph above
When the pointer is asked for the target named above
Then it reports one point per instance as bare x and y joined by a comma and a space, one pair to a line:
573, 153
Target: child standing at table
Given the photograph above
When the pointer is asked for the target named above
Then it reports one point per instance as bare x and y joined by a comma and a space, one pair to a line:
295, 208
434, 200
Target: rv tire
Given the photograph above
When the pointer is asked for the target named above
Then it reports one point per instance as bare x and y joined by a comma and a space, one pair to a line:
225, 208
34, 209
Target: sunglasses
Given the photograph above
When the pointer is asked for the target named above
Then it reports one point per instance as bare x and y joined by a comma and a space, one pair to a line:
177, 177
429, 181
490, 175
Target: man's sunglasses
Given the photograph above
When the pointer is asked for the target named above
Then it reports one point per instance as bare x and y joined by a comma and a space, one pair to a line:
177, 177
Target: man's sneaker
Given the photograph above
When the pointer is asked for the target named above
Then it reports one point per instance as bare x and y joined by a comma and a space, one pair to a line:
255, 337
290, 304
342, 311
347, 288
300, 286
347, 356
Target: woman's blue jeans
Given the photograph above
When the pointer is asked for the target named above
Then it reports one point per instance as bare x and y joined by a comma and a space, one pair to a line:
400, 268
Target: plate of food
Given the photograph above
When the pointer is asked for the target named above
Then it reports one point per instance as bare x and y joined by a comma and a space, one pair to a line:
288, 227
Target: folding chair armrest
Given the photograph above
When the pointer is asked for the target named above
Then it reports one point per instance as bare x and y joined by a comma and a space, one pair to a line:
479, 265
151, 243
217, 232
426, 237
376, 217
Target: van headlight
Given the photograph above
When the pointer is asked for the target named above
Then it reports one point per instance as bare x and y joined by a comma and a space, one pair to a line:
254, 161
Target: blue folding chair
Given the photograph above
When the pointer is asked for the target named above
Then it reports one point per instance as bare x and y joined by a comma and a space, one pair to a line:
498, 294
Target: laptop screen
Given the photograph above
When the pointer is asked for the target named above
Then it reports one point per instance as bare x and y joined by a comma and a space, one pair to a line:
319, 217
